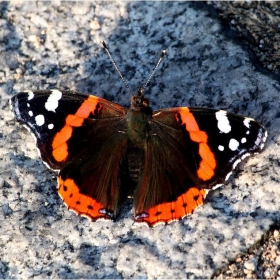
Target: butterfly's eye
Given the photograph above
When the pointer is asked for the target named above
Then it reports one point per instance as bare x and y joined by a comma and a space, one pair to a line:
135, 100
146, 103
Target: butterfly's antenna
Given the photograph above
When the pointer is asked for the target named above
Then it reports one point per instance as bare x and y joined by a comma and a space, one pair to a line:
114, 63
155, 69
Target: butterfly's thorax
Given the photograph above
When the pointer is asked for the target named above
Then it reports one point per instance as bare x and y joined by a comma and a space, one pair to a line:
138, 125
138, 118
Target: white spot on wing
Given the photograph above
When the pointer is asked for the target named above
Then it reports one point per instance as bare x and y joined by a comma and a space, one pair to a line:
228, 175
264, 139
30, 113
52, 102
141, 216
243, 140
235, 163
233, 144
245, 156
30, 94
50, 126
217, 186
221, 148
223, 122
247, 122
261, 138
40, 120
106, 212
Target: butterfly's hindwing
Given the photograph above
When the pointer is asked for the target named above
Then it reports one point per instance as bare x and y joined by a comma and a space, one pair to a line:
96, 173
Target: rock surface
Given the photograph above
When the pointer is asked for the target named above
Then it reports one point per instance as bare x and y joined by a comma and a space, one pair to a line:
57, 45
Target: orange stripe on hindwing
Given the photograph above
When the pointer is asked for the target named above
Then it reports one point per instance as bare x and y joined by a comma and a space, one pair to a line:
167, 212
80, 203
208, 163
59, 145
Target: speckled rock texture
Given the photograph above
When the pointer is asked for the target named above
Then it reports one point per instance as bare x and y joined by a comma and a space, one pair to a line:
262, 261
46, 45
258, 23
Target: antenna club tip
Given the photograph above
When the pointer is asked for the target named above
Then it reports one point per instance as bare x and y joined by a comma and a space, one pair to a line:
104, 44
163, 53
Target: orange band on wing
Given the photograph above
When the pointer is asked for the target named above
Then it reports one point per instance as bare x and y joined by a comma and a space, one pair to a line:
59, 145
208, 163
172, 211
61, 137
59, 152
79, 203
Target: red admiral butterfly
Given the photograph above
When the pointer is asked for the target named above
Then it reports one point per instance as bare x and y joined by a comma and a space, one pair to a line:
167, 159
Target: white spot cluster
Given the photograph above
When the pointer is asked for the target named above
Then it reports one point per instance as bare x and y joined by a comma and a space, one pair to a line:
223, 122
224, 126
50, 105
52, 102
233, 144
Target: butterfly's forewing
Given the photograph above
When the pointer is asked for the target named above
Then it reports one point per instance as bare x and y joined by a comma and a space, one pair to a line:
62, 120
188, 152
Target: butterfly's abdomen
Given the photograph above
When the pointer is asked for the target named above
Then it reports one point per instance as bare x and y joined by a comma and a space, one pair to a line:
135, 163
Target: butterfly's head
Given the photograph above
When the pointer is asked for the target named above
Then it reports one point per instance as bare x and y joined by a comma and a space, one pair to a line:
139, 101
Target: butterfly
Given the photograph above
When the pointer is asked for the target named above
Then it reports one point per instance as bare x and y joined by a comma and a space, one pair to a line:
167, 160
